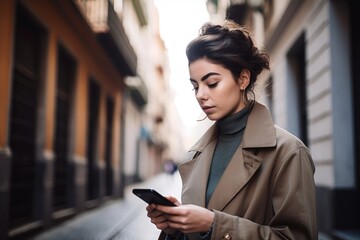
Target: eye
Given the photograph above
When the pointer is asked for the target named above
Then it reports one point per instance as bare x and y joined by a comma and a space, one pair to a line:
213, 85
195, 88
194, 84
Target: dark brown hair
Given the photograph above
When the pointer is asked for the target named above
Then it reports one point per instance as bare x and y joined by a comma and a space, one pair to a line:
231, 46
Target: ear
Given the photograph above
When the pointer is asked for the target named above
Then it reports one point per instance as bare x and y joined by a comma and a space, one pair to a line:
244, 78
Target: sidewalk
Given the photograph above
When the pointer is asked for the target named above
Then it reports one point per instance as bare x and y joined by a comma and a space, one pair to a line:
121, 219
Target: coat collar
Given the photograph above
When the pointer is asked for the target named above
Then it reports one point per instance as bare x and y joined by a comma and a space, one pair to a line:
259, 132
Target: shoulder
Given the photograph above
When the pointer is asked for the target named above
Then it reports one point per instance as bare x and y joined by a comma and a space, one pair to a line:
287, 139
290, 149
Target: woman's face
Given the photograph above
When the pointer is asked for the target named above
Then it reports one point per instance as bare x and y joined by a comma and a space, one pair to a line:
217, 92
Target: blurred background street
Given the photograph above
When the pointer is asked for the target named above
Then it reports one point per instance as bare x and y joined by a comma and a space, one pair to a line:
95, 99
119, 219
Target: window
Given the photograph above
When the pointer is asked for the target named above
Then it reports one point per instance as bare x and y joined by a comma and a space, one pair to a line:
92, 140
65, 82
29, 39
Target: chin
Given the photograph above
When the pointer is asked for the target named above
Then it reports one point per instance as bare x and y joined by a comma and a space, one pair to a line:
213, 117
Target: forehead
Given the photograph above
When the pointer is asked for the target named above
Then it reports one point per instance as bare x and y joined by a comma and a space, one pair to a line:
201, 67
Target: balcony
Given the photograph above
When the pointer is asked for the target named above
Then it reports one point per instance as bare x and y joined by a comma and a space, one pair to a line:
138, 90
140, 11
110, 33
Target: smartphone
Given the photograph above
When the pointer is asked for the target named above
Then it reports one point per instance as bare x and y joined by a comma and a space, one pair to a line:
152, 196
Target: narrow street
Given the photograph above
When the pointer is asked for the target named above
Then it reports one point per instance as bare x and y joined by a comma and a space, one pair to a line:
121, 219
125, 219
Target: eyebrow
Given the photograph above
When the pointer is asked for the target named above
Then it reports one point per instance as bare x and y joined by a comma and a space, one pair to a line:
206, 76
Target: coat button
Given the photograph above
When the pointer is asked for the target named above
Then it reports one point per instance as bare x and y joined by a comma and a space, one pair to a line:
227, 237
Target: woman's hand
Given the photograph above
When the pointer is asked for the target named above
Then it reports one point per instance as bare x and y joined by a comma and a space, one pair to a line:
160, 219
186, 218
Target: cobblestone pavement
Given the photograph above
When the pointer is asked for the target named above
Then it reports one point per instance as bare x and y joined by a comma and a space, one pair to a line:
121, 219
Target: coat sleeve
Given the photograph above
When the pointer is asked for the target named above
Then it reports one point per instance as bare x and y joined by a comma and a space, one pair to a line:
293, 202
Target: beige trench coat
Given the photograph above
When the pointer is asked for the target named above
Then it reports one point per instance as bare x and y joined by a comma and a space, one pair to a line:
266, 192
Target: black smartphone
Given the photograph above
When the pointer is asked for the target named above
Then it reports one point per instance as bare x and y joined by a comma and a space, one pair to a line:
152, 196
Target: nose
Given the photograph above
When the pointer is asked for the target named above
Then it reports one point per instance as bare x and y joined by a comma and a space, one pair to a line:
201, 94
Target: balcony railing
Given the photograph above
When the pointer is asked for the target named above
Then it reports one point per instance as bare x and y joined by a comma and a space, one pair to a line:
138, 90
110, 32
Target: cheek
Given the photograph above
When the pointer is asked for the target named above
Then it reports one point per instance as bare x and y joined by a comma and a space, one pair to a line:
229, 91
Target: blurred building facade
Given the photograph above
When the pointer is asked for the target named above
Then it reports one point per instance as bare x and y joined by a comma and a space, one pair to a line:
84, 107
152, 130
312, 91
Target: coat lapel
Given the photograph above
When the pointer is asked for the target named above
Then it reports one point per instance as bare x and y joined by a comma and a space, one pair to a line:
241, 168
195, 175
259, 132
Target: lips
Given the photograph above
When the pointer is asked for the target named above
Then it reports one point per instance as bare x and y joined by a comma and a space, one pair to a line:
208, 109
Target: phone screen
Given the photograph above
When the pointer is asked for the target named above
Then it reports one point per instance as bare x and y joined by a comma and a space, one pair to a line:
152, 196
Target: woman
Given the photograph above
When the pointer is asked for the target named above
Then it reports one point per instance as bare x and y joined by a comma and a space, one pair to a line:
246, 177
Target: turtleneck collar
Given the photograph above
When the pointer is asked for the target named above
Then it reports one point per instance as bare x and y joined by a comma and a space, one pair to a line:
234, 123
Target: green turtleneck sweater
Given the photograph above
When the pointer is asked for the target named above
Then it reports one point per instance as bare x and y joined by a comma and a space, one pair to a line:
231, 131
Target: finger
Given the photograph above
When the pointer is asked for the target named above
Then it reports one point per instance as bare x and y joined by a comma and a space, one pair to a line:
166, 209
154, 214
150, 207
159, 219
185, 228
162, 225
174, 200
